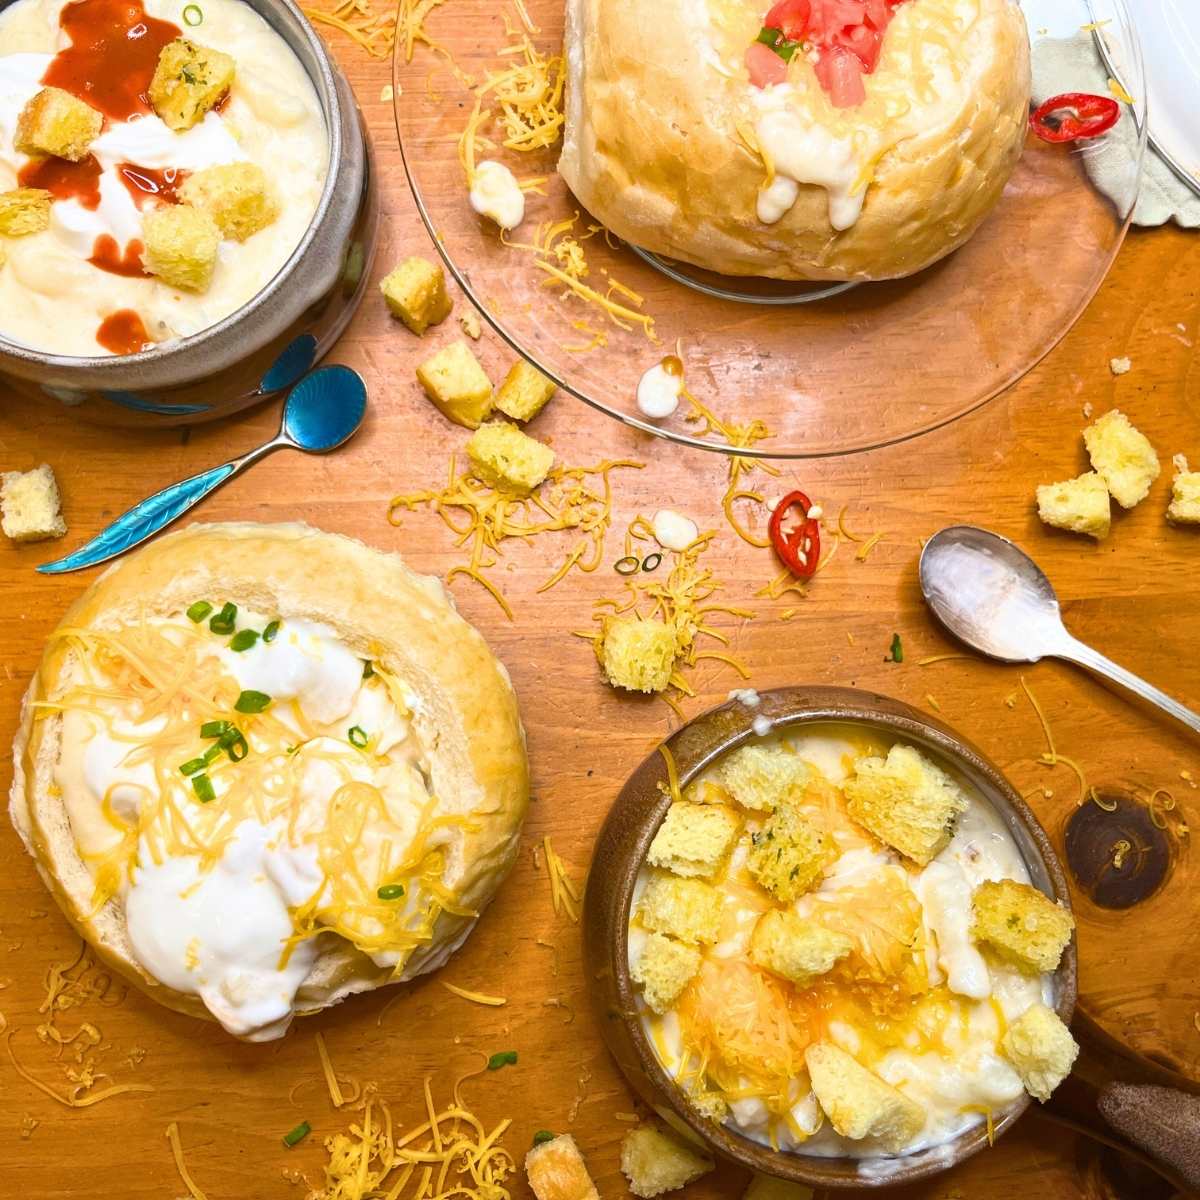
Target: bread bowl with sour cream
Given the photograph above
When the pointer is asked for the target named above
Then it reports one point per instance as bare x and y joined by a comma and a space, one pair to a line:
809, 140
262, 768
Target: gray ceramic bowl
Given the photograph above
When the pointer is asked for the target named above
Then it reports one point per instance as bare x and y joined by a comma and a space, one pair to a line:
265, 346
621, 850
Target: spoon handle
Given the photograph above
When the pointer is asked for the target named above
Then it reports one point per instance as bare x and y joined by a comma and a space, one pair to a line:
151, 515
1082, 654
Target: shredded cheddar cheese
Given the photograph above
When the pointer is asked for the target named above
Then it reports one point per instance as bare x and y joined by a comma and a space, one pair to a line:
180, 1165
564, 892
476, 997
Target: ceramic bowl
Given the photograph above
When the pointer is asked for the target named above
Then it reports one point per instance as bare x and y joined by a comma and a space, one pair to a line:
621, 850
264, 347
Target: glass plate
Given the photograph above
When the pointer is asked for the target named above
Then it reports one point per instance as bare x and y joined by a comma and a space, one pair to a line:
826, 370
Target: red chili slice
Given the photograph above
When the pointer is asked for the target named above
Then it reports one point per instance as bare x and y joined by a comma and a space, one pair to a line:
798, 541
1074, 116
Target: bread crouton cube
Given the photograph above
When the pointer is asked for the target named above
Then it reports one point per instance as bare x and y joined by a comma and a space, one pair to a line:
1123, 457
1041, 1049
695, 840
508, 459
1077, 505
767, 1187
181, 245
796, 949
686, 909
237, 196
1184, 508
30, 506
415, 292
655, 1161
664, 969
1021, 925
556, 1171
857, 1102
524, 392
637, 654
189, 80
57, 124
906, 801
24, 211
456, 383
762, 778
788, 854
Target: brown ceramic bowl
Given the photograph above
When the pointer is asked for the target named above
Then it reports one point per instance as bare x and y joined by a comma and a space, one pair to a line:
621, 850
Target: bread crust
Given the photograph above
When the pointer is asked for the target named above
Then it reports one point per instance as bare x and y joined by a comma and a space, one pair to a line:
654, 144
467, 721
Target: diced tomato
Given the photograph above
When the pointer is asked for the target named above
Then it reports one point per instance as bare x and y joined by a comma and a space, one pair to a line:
841, 75
792, 16
765, 66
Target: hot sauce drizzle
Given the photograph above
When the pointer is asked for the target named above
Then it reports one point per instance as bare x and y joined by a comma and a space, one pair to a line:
111, 59
122, 332
145, 184
64, 180
108, 256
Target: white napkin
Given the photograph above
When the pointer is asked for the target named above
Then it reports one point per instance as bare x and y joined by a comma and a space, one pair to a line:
1074, 65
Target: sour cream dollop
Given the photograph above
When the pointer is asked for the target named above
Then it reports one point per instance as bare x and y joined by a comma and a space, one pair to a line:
495, 194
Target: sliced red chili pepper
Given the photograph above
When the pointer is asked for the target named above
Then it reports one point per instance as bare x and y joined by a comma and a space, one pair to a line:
1074, 116
795, 535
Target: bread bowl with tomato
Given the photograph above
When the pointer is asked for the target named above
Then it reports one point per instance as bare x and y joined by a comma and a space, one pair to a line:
808, 140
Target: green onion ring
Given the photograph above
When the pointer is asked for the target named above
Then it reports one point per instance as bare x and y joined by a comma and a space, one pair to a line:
629, 565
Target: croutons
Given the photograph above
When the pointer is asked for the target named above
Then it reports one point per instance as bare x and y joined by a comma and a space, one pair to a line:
655, 1161
695, 840
1021, 925
24, 211
637, 654
1184, 508
508, 459
663, 970
857, 1102
457, 385
556, 1171
181, 245
524, 392
1123, 457
767, 1187
416, 293
236, 196
906, 801
796, 949
1077, 505
686, 909
788, 855
188, 81
1041, 1049
30, 506
57, 124
763, 777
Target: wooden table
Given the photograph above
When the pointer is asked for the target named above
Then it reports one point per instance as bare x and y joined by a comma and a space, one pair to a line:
1135, 595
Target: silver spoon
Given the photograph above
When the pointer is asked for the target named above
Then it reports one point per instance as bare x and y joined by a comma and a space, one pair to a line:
323, 410
991, 595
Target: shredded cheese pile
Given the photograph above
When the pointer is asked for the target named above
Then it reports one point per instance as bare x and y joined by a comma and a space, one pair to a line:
572, 499
564, 891
357, 19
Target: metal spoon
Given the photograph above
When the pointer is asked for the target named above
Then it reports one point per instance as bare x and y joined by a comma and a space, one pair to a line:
990, 594
323, 410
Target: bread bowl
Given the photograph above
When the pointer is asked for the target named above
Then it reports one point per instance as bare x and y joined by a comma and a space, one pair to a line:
672, 146
340, 763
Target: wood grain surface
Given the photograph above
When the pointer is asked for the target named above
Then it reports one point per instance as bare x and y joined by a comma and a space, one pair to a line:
1135, 596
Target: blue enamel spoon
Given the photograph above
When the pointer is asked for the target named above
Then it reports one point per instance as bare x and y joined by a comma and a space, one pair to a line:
323, 411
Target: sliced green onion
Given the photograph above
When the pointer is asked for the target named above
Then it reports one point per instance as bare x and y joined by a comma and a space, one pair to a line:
202, 786
233, 742
897, 654
770, 37
652, 561
193, 15
225, 620
192, 766
629, 565
271, 630
252, 702
198, 611
506, 1058
211, 753
543, 1135
243, 640
390, 891
786, 50
368, 668
302, 1130
212, 729
358, 737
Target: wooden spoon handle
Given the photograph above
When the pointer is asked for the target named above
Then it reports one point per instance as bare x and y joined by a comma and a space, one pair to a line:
1161, 1121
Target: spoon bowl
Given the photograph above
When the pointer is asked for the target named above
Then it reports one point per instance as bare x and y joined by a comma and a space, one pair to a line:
324, 410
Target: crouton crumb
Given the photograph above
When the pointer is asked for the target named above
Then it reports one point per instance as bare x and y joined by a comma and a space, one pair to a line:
1021, 925
30, 505
1041, 1049
655, 1161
